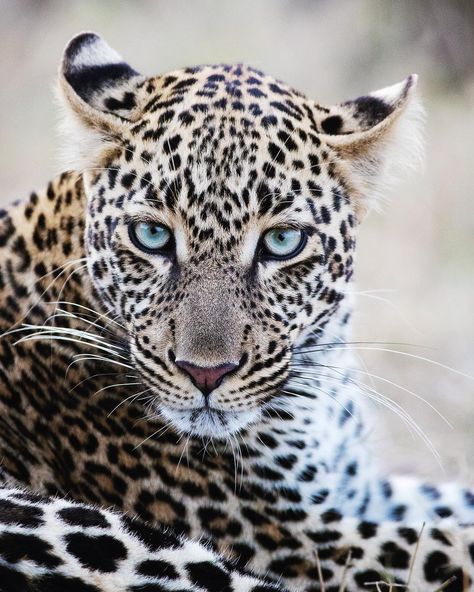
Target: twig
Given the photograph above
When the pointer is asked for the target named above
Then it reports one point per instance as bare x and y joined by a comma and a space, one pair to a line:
342, 587
413, 558
320, 572
445, 584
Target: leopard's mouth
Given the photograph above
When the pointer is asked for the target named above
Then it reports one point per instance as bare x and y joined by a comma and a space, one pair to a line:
208, 422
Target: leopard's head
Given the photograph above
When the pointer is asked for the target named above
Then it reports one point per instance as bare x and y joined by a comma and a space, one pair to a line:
222, 215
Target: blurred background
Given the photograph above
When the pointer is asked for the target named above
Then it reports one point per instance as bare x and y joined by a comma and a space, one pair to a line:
416, 259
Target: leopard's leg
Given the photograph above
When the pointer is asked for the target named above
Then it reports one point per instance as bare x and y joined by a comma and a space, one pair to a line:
52, 545
335, 551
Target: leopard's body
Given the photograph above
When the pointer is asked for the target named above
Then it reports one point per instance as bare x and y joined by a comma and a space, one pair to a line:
271, 469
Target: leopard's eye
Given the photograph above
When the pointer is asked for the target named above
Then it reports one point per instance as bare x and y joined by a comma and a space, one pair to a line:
150, 237
283, 243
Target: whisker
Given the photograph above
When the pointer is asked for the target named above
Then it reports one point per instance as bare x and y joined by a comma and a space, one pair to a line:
181, 455
402, 353
102, 374
387, 381
109, 386
73, 336
161, 431
332, 344
68, 315
96, 358
396, 408
319, 389
99, 315
64, 268
131, 398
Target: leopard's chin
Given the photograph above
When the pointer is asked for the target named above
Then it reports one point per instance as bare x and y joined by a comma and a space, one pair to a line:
206, 422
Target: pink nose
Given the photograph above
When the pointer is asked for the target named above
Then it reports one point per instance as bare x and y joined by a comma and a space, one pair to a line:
206, 379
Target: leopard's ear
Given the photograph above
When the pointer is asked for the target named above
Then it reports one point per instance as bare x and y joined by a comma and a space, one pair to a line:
99, 94
378, 136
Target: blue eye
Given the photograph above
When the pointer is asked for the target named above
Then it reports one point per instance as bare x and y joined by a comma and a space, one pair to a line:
150, 237
283, 243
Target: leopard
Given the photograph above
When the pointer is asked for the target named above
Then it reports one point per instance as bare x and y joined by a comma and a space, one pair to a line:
180, 405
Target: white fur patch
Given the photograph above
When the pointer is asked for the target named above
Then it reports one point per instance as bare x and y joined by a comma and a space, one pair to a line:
95, 52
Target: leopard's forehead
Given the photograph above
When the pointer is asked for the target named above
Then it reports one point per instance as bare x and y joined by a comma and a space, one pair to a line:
244, 91
226, 113
226, 146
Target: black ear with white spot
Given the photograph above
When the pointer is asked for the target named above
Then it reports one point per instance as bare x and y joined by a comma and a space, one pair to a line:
377, 135
100, 95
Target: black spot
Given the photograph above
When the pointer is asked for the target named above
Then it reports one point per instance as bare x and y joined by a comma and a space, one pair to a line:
209, 576
186, 118
255, 92
243, 552
153, 538
289, 514
394, 556
277, 89
409, 534
386, 489
469, 497
324, 536
127, 102
443, 511
438, 535
183, 84
12, 580
27, 516
101, 553
269, 120
319, 497
398, 512
127, 180
268, 440
287, 140
170, 145
367, 530
286, 461
288, 566
267, 473
332, 124
331, 515
79, 516
435, 566
15, 547
276, 153
307, 474
325, 215
351, 469
364, 577
158, 569
430, 491
254, 517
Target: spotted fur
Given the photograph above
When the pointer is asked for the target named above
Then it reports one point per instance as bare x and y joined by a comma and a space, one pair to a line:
267, 474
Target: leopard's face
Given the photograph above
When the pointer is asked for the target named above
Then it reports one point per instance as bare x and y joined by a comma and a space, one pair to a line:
220, 232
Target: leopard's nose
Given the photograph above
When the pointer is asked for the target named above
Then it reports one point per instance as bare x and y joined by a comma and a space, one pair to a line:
206, 379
